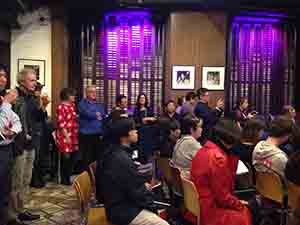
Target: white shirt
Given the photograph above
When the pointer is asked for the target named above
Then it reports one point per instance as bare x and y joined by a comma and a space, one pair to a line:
8, 118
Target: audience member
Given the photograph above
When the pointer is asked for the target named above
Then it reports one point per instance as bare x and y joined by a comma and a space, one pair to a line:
251, 135
28, 111
170, 112
67, 133
3, 80
267, 153
121, 106
209, 116
38, 129
189, 104
187, 146
180, 102
213, 172
10, 126
290, 112
142, 112
91, 116
169, 133
126, 197
240, 114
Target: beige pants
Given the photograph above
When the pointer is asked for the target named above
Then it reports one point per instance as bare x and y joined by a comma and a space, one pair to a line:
148, 218
21, 178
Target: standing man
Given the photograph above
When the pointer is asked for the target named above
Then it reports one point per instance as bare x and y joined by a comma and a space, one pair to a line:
91, 115
9, 126
210, 116
27, 109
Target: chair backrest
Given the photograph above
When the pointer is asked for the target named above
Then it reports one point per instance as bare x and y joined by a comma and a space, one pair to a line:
294, 195
83, 186
163, 164
269, 185
92, 169
251, 174
176, 179
190, 196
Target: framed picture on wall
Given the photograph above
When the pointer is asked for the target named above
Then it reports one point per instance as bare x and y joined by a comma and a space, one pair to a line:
183, 77
213, 77
39, 66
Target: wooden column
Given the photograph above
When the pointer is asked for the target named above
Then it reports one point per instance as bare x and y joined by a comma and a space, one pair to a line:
60, 53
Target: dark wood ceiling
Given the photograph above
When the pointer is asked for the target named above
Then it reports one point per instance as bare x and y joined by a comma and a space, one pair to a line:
9, 9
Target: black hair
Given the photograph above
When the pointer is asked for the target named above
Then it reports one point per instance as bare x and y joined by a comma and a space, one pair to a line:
117, 129
286, 109
4, 68
180, 101
119, 99
170, 101
65, 93
280, 126
241, 101
138, 100
226, 131
189, 96
251, 129
189, 122
201, 92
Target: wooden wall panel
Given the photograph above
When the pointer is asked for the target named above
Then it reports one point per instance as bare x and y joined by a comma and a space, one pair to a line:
195, 38
60, 54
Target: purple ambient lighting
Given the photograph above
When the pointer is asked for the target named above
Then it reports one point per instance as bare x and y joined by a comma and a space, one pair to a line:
253, 19
127, 32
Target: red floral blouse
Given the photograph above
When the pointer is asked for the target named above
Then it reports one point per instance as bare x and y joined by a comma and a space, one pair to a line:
67, 119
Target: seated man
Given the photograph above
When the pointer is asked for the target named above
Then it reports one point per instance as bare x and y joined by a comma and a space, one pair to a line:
127, 199
187, 146
267, 153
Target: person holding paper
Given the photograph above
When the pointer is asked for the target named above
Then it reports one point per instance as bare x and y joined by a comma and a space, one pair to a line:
213, 172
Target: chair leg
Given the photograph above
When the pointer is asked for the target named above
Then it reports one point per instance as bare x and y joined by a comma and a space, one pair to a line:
198, 220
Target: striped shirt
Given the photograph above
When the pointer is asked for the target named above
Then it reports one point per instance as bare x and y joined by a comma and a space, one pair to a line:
9, 119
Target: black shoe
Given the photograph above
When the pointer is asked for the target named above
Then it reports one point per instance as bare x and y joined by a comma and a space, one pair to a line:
15, 222
27, 216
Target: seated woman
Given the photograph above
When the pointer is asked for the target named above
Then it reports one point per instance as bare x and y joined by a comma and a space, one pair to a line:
187, 146
251, 135
126, 198
240, 114
213, 172
142, 112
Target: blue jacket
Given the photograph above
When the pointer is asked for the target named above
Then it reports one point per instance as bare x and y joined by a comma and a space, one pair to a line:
88, 122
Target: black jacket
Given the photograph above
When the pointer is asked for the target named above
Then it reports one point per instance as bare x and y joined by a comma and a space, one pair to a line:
210, 118
120, 186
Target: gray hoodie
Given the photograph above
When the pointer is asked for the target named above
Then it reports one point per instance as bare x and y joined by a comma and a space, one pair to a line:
184, 151
270, 156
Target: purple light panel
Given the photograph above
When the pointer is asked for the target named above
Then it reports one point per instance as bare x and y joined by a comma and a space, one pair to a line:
130, 55
259, 61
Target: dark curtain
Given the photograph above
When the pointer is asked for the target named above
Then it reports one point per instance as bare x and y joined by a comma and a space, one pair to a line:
124, 54
261, 64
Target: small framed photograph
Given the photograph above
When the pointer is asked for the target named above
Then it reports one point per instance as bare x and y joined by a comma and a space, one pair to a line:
39, 66
213, 77
183, 77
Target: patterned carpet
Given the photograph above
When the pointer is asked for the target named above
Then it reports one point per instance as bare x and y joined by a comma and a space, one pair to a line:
57, 205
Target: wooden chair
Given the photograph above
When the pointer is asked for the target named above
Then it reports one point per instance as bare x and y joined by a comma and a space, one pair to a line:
91, 216
176, 180
92, 173
163, 164
191, 197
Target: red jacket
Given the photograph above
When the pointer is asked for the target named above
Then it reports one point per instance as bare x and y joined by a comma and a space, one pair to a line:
213, 173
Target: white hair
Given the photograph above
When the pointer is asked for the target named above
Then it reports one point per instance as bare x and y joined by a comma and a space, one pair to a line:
23, 73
